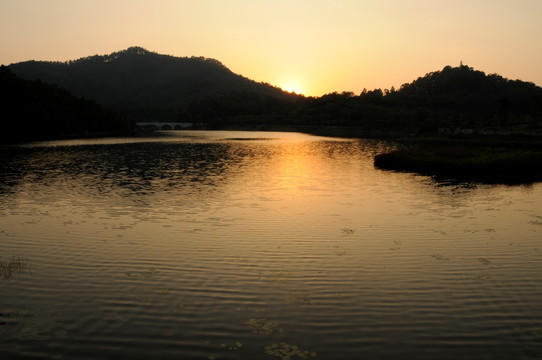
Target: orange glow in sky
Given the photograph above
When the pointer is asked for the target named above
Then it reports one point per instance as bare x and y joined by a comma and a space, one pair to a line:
307, 46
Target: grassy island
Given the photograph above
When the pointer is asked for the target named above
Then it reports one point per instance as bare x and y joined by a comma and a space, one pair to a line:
486, 160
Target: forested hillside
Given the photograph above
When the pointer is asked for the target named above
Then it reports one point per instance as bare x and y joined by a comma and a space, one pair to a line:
33, 110
144, 85
452, 99
147, 86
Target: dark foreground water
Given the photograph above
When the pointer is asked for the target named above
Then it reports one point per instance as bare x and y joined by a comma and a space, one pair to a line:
239, 245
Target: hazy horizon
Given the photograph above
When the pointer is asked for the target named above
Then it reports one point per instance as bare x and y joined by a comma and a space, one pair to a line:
311, 47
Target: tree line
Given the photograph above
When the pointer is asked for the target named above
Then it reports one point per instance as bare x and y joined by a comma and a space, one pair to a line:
452, 99
141, 84
34, 110
136, 84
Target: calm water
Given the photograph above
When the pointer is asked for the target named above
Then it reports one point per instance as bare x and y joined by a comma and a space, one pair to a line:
242, 245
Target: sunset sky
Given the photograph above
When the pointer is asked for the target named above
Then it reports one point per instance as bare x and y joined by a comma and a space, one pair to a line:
309, 46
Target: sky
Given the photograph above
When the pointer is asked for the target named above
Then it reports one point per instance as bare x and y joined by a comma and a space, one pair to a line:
312, 47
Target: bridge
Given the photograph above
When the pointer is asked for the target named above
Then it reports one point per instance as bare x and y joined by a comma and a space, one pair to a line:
154, 125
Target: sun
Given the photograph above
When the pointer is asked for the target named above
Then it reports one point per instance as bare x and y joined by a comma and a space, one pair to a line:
292, 87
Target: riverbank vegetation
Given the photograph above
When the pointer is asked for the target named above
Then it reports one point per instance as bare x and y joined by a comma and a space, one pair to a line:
509, 160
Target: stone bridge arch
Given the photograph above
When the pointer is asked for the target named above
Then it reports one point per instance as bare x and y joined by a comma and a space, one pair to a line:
156, 125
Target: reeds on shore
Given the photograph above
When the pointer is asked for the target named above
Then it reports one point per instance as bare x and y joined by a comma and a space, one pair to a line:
487, 162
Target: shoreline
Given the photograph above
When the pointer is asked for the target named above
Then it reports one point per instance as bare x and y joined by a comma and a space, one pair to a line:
491, 159
478, 159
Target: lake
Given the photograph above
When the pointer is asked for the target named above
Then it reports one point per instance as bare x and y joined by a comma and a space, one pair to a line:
259, 245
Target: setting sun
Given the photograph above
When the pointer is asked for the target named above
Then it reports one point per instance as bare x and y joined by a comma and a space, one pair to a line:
307, 47
293, 87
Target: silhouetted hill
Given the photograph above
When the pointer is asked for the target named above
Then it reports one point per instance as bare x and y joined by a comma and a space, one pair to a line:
463, 90
461, 97
33, 110
143, 84
451, 100
150, 86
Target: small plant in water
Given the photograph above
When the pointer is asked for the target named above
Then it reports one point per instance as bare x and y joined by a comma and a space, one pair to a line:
147, 274
164, 291
439, 257
17, 265
287, 352
146, 301
262, 326
537, 331
233, 347
251, 309
150, 273
23, 313
478, 277
279, 276
298, 297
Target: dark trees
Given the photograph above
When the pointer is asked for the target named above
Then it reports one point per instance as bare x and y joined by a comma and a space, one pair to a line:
33, 110
148, 86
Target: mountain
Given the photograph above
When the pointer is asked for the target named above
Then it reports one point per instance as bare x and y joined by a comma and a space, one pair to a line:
145, 85
33, 110
462, 97
470, 90
450, 100
142, 84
